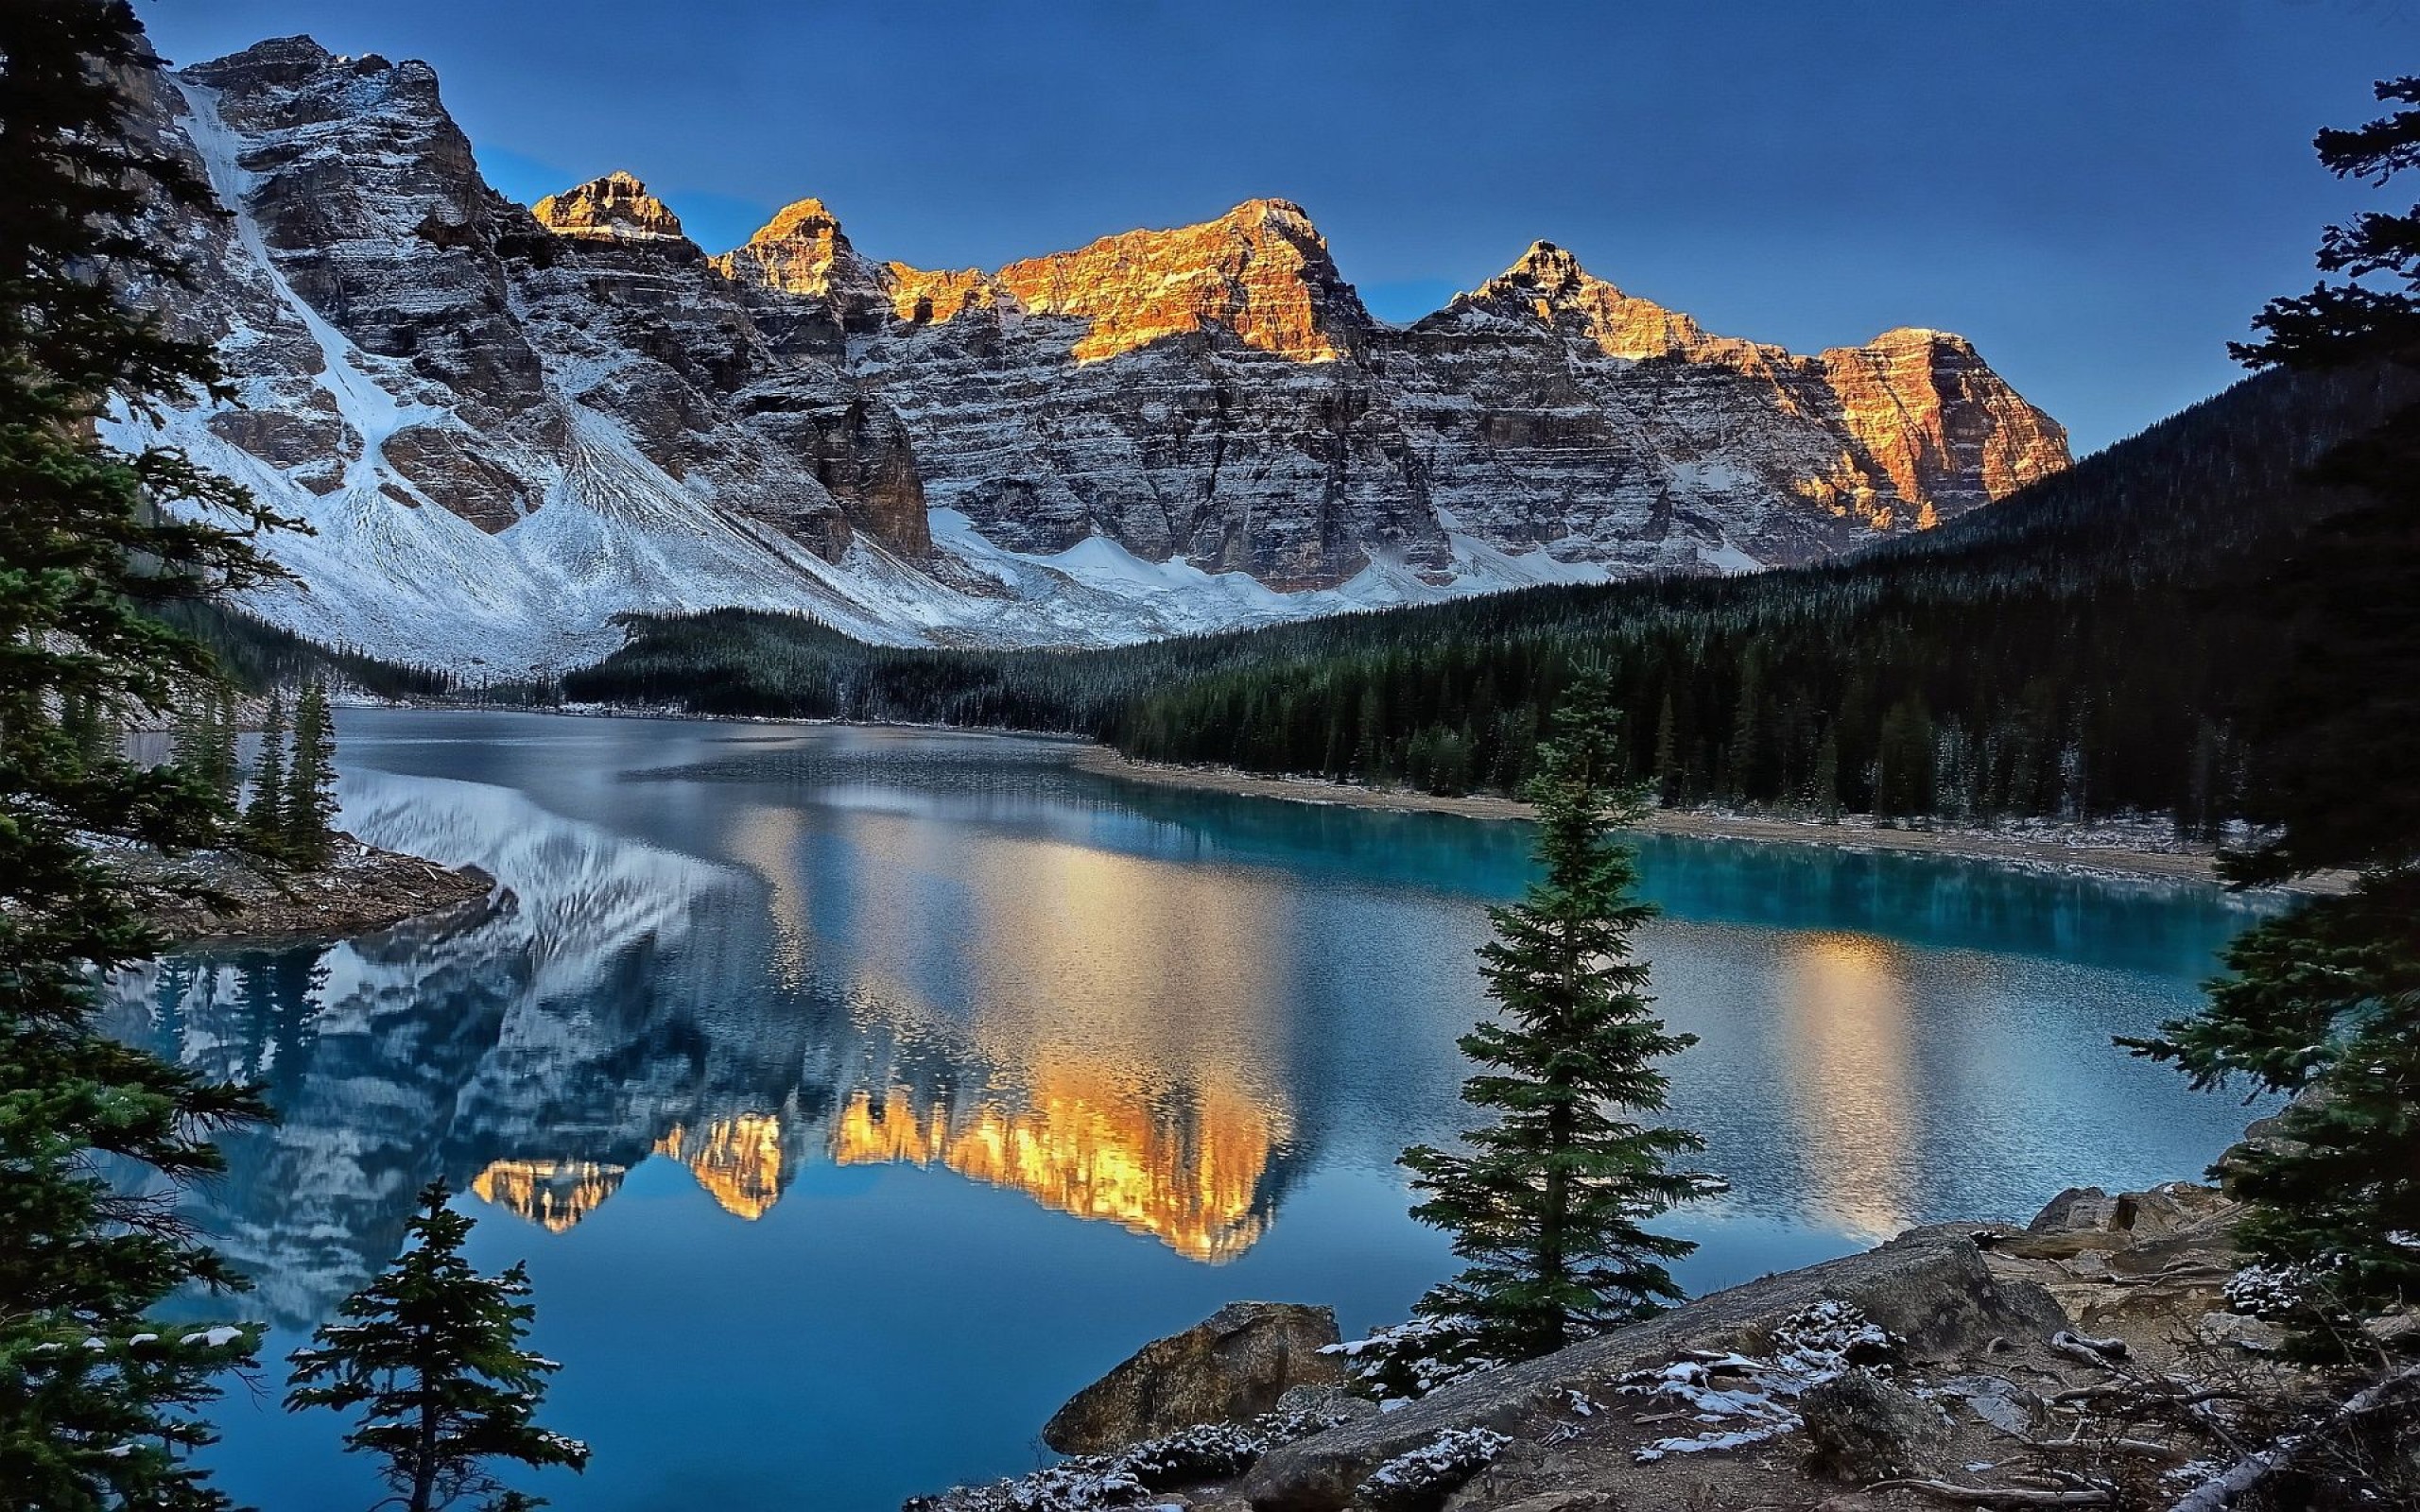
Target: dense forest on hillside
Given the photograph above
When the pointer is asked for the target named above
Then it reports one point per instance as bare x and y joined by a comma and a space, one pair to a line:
258, 655
2080, 648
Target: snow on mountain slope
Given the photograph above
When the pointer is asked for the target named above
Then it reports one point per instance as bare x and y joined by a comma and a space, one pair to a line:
508, 427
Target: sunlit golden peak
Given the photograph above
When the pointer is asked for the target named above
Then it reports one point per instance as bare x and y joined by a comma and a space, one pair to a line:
554, 1194
738, 1160
613, 208
1193, 1182
800, 218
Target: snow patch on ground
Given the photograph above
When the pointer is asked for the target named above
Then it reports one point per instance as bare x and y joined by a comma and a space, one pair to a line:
1742, 1400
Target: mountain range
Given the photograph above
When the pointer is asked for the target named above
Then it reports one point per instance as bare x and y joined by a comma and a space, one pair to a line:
509, 425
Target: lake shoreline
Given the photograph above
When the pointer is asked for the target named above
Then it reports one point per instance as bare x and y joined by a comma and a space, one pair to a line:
1854, 833
2049, 848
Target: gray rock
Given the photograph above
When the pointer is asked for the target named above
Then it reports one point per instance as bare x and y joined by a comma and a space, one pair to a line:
1231, 1367
1930, 1286
1863, 1429
2075, 1208
1340, 1403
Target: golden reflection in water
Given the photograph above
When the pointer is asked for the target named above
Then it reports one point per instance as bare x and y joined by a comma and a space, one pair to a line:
1122, 1016
1114, 1022
553, 1194
764, 837
1188, 1177
738, 1160
1844, 1016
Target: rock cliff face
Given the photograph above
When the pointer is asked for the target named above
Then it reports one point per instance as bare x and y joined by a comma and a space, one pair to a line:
509, 424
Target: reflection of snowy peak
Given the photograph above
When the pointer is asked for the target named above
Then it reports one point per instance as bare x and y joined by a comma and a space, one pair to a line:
509, 425
369, 1084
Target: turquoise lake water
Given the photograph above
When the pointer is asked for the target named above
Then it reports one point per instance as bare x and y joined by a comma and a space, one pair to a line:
857, 1095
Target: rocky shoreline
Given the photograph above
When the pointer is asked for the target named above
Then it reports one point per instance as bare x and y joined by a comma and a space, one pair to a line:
2064, 848
362, 890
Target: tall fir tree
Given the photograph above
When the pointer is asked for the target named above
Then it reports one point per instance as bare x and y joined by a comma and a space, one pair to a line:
265, 811
431, 1351
1548, 1202
1824, 788
98, 1409
2323, 1001
218, 765
1667, 759
310, 783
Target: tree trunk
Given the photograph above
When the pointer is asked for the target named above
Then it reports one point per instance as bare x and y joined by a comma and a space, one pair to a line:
1554, 1226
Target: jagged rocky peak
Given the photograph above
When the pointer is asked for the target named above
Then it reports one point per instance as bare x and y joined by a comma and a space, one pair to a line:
1548, 286
299, 63
802, 251
1261, 272
1948, 430
614, 208
279, 62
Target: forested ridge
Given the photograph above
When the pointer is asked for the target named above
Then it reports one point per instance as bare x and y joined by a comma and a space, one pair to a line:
2081, 647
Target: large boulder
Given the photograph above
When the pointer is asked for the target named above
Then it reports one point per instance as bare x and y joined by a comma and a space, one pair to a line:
1230, 1367
1863, 1429
1930, 1286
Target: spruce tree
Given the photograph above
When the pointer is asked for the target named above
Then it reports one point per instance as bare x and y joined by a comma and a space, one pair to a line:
97, 1406
1548, 1202
217, 766
310, 784
1668, 756
264, 814
2324, 1000
430, 1349
1823, 789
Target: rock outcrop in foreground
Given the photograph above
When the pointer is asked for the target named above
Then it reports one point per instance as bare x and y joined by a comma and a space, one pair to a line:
509, 424
1956, 1364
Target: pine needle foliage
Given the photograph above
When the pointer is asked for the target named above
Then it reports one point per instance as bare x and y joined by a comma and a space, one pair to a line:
2324, 1002
306, 826
98, 1407
430, 1350
1548, 1202
264, 813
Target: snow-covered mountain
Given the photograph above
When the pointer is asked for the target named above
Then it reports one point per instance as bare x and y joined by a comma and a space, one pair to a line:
507, 425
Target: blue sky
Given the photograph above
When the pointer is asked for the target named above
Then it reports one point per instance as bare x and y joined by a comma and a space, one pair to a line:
2099, 192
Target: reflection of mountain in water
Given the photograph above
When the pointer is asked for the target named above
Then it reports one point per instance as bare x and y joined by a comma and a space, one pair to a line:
622, 1002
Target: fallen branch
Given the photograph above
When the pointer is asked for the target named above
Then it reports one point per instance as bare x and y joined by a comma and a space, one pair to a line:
2248, 1473
2141, 1448
1996, 1495
2088, 1350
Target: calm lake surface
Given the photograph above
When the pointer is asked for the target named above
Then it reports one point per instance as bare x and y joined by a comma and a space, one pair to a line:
855, 1095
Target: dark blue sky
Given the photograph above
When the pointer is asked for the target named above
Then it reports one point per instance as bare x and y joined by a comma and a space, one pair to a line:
2098, 192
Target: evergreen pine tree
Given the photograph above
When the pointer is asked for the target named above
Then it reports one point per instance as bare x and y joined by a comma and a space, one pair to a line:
98, 1405
264, 815
217, 766
1824, 787
1547, 1203
1740, 755
1668, 756
430, 1349
310, 785
87, 728
2324, 1001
